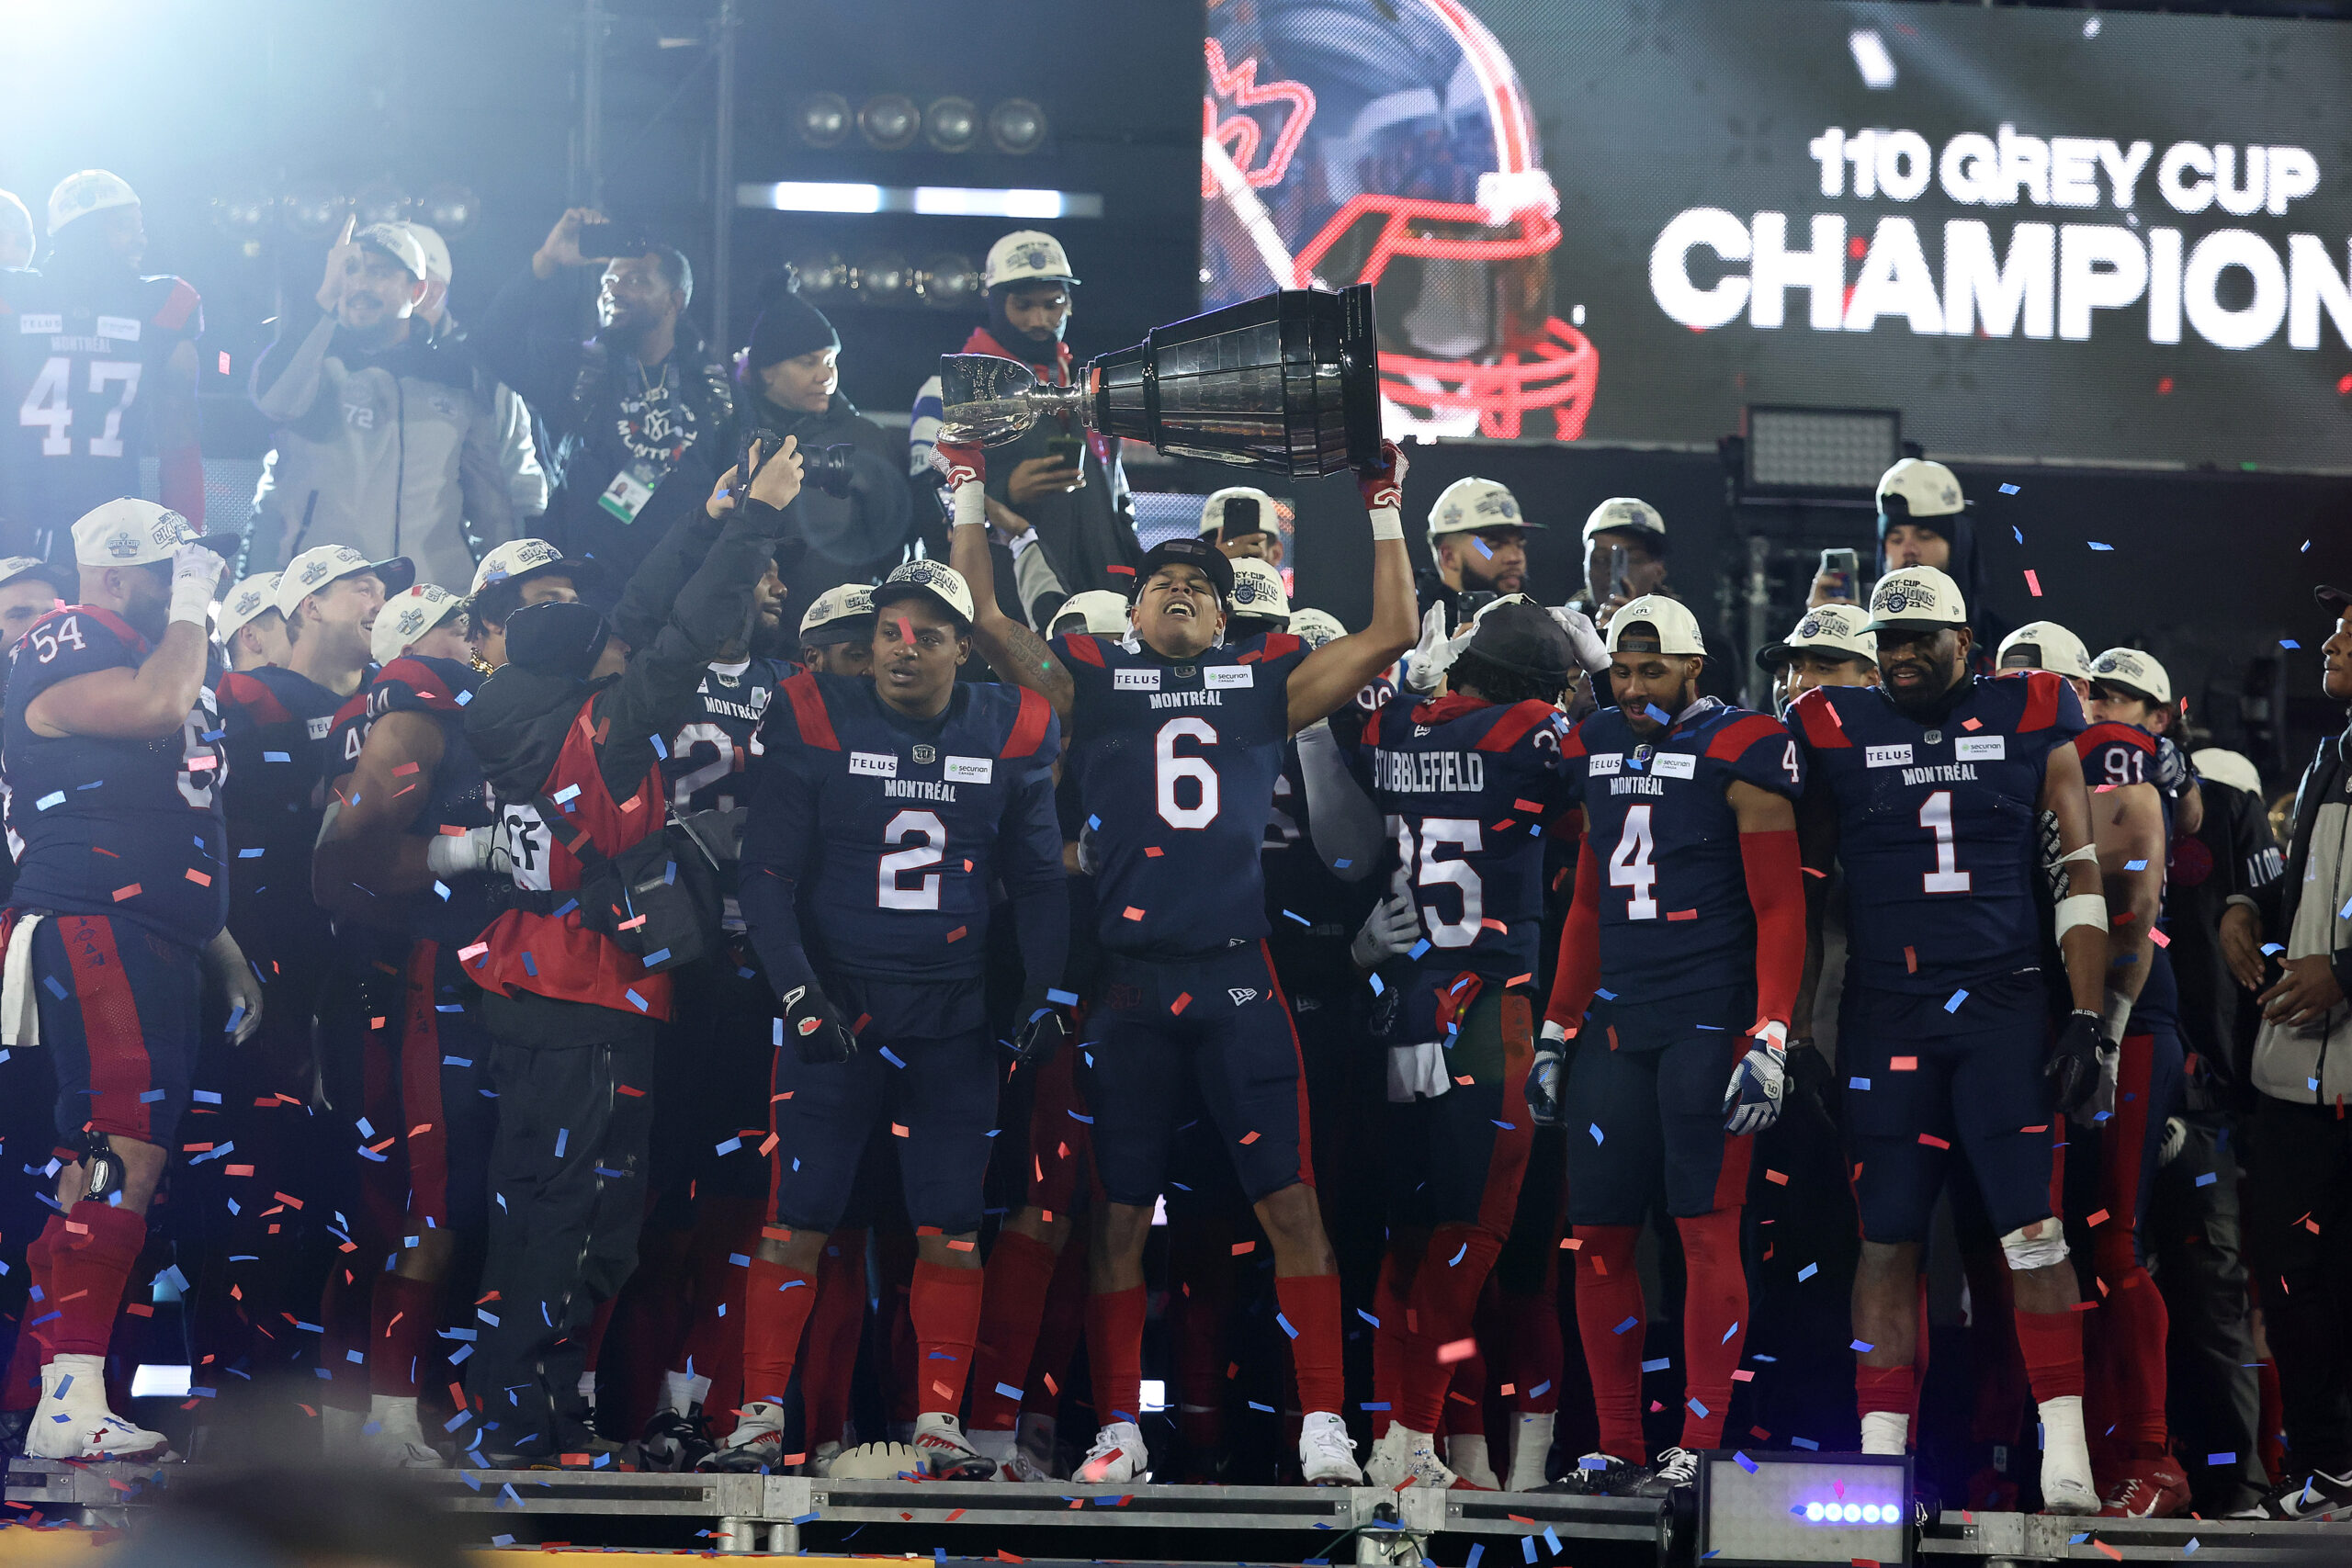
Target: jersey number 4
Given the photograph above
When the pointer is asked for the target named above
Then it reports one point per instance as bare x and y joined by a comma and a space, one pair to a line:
50, 402
1633, 864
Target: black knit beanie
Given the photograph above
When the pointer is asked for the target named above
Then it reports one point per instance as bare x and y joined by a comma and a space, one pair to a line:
788, 327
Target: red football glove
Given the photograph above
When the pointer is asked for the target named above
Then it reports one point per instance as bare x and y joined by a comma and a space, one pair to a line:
958, 461
1383, 485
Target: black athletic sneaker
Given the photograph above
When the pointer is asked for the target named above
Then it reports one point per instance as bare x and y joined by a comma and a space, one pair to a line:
1675, 1468
1596, 1475
2304, 1497
675, 1442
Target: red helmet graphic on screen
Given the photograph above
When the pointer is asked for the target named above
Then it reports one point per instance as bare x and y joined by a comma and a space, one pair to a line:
1389, 142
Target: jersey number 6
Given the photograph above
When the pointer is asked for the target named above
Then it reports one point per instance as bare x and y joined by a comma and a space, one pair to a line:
1167, 768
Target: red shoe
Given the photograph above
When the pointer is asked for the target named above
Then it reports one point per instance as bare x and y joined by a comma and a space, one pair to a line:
2149, 1489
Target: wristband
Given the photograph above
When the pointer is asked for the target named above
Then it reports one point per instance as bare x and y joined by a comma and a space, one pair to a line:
2081, 910
971, 505
1388, 522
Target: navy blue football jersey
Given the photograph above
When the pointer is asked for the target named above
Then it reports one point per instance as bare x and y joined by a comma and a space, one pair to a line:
275, 727
894, 830
2115, 755
1938, 826
1176, 765
709, 756
457, 795
127, 829
346, 733
1466, 789
1310, 913
79, 366
1675, 915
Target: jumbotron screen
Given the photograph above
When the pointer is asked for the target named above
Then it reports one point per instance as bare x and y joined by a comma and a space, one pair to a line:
2039, 233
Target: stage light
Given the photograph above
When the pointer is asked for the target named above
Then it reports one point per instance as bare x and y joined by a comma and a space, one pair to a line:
821, 120
1871, 60
1017, 126
932, 201
947, 281
1807, 451
952, 125
450, 210
311, 208
883, 278
890, 122
379, 202
820, 273
241, 213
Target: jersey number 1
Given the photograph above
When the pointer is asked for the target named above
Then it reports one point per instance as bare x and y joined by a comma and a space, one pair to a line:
1935, 815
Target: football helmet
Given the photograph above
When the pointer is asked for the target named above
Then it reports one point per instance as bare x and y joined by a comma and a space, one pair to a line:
1389, 142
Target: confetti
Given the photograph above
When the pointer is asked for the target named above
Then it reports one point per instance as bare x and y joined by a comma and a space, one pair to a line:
2032, 584
1957, 998
2097, 546
2006, 490
1808, 1272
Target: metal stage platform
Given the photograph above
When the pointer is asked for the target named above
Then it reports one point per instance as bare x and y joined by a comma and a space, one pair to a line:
1049, 1524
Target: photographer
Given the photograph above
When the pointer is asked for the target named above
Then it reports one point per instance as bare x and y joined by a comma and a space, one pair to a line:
566, 733
642, 398
788, 382
1055, 491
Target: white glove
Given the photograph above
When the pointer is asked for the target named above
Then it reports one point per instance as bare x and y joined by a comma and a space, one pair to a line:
1088, 860
1435, 653
1543, 1077
1393, 928
1591, 651
195, 579
1752, 1099
462, 854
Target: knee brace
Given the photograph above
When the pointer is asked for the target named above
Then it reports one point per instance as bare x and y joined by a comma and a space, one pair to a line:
2037, 1245
102, 1169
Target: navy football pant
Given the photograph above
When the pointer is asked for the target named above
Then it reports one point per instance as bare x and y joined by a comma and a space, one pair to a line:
1644, 1113
1169, 1038
120, 1013
936, 1100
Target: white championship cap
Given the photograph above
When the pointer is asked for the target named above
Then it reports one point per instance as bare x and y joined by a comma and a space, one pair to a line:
1258, 591
437, 250
1258, 517
1828, 628
931, 578
129, 532
61, 578
397, 241
1915, 597
1315, 627
322, 564
1467, 505
92, 190
516, 558
1097, 611
1027, 255
1925, 489
833, 617
406, 616
2129, 667
2225, 766
244, 601
2056, 650
1624, 512
1677, 627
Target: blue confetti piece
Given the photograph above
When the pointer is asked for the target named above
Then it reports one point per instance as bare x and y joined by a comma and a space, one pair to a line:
729, 1147
1477, 1549
632, 995
2288, 642
1957, 998
206, 1095
2189, 1546
891, 1056
1659, 1365
1696, 1408
1267, 1409
567, 793
463, 697
2220, 1459
54, 988
1741, 1459
1527, 1547
1592, 1461
1657, 715
1284, 1324
250, 854
1808, 1273
1062, 999
1862, 1084
1341, 864
659, 749
1010, 1392
55, 798
1418, 948
1459, 1255
152, 1097
1862, 1346
2135, 865
1629, 1323
1598, 1136
2273, 949
1367, 1317
2006, 490
1096, 823
2018, 532
563, 1136
1606, 995
2207, 1180
1294, 915
1552, 1539
1805, 1443
2097, 546
1376, 986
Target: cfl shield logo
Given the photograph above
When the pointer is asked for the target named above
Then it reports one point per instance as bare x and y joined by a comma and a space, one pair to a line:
122, 546
1241, 995
1899, 598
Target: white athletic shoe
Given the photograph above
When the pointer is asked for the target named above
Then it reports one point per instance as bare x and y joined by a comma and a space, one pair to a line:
72, 1421
1405, 1458
1327, 1455
755, 1445
2067, 1485
1118, 1454
945, 1453
394, 1436
1465, 1455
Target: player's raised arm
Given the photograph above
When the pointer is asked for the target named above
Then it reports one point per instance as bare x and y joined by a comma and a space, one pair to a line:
1014, 651
148, 703
1336, 670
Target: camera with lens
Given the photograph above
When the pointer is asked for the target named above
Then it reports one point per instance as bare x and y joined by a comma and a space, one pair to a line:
827, 467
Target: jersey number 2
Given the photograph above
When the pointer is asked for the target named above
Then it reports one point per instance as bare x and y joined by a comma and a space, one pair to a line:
889, 891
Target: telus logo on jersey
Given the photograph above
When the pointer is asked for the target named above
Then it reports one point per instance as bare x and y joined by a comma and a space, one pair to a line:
1886, 756
874, 764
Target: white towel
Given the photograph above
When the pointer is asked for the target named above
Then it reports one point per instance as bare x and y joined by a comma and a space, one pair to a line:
20, 1008
1417, 1072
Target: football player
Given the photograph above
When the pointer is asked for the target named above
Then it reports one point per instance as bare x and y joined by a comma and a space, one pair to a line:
114, 778
2132, 823
837, 634
101, 371
29, 589
1676, 980
1927, 790
408, 854
885, 810
1463, 783
1177, 739
1828, 648
1477, 536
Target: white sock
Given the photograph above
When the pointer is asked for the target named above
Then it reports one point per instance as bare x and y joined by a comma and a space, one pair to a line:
1531, 1446
2065, 1451
394, 1416
685, 1390
1889, 1431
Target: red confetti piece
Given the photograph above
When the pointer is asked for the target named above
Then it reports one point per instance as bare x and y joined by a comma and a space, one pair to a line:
404, 769
1243, 1248
1456, 1350
1153, 851
129, 892
898, 1130
1184, 1000
1777, 1178
958, 933
2159, 937
1910, 961
1972, 724
632, 1093
1931, 1141
1249, 1137
199, 878
2097, 1217
467, 955
1131, 912
1682, 914
2032, 583
1902, 1065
